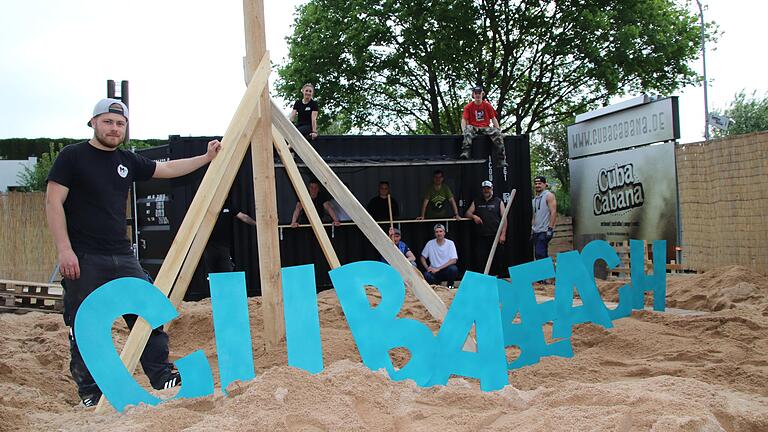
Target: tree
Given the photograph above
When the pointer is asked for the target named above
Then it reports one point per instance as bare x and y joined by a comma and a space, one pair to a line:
407, 66
748, 115
33, 179
549, 147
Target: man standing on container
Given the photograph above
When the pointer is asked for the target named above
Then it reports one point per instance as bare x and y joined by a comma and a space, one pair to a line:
479, 118
544, 217
85, 207
487, 211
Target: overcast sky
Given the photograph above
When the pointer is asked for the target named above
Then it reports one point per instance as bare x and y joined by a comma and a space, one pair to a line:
184, 63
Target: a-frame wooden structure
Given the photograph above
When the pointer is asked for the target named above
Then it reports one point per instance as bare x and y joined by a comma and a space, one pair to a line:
255, 126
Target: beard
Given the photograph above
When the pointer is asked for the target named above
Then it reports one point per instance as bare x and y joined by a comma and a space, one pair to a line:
109, 140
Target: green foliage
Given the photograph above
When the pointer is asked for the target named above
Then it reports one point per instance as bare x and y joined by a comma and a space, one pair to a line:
407, 66
33, 179
549, 148
750, 114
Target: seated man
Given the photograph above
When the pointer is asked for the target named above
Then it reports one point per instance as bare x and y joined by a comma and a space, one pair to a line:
442, 257
321, 201
436, 199
378, 206
479, 118
394, 234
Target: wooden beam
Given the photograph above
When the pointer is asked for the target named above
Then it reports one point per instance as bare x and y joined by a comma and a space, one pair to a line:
498, 231
306, 201
264, 192
207, 201
362, 219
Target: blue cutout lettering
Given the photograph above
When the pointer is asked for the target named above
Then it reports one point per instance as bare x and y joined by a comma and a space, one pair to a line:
519, 297
476, 302
232, 328
302, 321
601, 250
93, 332
377, 330
642, 283
571, 273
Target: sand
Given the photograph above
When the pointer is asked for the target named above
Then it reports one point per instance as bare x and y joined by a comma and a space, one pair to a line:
653, 371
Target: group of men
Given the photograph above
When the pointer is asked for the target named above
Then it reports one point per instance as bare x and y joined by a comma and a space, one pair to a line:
86, 196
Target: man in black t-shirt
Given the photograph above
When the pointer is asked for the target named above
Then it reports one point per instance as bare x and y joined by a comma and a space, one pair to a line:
378, 206
85, 207
321, 200
486, 211
306, 109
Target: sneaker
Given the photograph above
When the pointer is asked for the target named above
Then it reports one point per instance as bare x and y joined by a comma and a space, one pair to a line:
464, 154
92, 400
173, 381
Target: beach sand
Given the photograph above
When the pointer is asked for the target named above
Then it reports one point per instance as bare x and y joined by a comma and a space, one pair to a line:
672, 371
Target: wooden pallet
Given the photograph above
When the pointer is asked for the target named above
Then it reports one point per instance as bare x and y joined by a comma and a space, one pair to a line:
30, 296
622, 271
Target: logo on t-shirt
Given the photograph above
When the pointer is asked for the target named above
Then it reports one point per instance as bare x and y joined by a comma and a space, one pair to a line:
122, 171
307, 108
480, 115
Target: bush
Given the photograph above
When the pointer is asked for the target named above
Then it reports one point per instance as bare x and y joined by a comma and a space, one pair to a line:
33, 179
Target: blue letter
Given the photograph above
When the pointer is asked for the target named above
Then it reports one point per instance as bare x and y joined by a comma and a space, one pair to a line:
302, 322
642, 283
601, 250
231, 327
519, 296
476, 302
93, 332
570, 274
378, 330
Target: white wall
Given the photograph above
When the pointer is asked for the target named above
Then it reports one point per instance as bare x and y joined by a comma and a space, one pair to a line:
10, 170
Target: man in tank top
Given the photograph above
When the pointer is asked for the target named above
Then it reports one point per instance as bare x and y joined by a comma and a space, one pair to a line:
544, 217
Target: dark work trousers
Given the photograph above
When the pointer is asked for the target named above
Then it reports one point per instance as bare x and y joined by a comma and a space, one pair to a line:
484, 245
448, 274
95, 271
217, 259
540, 245
305, 131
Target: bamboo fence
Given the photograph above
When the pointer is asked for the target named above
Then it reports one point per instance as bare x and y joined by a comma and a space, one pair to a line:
27, 252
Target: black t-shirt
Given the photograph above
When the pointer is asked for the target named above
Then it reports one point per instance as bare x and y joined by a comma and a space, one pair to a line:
490, 212
379, 210
98, 183
322, 198
305, 112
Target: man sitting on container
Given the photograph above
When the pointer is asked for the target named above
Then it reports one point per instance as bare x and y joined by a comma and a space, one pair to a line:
321, 201
378, 206
394, 234
442, 256
479, 118
436, 200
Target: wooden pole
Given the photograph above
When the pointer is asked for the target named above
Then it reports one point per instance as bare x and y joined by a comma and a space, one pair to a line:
363, 220
205, 205
498, 231
264, 185
306, 201
391, 219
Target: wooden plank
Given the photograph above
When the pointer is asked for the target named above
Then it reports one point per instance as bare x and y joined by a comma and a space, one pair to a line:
362, 219
264, 192
498, 231
306, 201
208, 200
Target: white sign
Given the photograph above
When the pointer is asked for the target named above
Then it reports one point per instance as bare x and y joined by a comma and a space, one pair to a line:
643, 124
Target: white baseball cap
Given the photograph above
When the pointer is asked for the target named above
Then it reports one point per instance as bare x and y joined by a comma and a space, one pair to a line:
107, 106
486, 183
